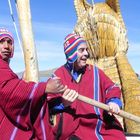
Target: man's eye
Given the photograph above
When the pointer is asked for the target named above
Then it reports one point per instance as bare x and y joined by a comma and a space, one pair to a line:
9, 42
80, 50
1, 42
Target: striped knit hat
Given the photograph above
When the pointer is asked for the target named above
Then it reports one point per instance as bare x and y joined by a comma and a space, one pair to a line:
71, 43
5, 33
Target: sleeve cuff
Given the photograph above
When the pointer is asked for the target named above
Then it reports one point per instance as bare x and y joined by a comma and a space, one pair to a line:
115, 100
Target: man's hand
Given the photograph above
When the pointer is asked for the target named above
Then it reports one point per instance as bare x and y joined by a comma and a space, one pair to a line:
54, 85
113, 108
69, 96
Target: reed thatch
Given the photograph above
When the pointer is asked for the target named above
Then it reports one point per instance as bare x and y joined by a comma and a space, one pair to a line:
103, 27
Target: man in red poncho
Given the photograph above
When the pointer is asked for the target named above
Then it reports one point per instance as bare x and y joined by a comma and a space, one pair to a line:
81, 121
23, 106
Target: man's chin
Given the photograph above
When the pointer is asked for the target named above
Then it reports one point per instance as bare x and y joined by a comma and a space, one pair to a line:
83, 65
7, 59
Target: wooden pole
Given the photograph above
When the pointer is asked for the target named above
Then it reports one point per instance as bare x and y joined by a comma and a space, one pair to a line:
30, 57
106, 107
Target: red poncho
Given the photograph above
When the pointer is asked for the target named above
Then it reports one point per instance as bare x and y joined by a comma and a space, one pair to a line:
83, 120
23, 109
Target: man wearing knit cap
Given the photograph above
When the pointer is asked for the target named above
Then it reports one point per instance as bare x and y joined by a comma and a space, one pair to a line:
77, 120
23, 106
6, 37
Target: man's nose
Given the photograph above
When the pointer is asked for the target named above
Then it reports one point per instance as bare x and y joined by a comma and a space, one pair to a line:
5, 44
85, 52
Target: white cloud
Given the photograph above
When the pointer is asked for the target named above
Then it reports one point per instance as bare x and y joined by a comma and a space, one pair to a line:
134, 56
54, 27
134, 49
50, 53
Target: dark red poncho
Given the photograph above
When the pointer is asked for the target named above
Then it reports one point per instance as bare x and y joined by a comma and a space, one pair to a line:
83, 120
23, 110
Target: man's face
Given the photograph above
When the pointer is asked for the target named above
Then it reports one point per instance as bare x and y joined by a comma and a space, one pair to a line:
82, 53
6, 48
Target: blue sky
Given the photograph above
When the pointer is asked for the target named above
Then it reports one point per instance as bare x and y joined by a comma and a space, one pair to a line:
52, 20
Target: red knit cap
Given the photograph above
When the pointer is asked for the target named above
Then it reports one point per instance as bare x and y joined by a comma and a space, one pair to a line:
5, 33
72, 41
